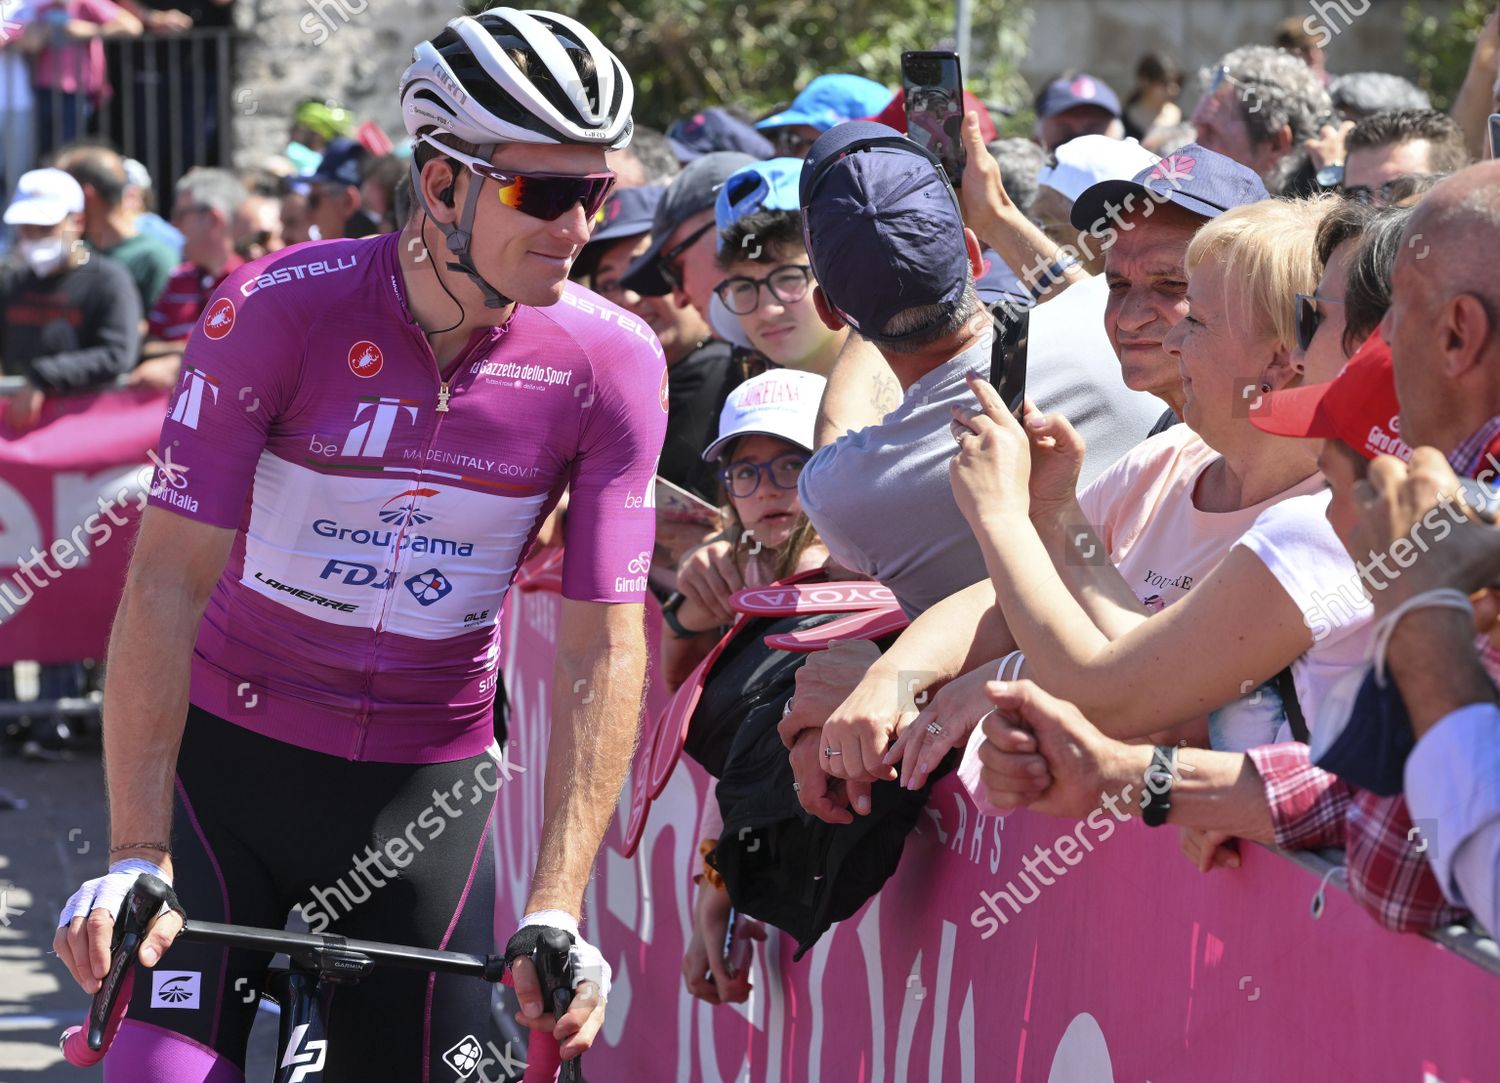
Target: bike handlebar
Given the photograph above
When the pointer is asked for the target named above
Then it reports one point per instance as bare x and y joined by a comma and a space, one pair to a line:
333, 956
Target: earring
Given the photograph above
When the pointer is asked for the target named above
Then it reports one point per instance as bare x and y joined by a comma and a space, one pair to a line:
1266, 386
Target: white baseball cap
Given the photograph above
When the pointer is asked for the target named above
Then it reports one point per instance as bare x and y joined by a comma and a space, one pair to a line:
1089, 159
44, 197
782, 403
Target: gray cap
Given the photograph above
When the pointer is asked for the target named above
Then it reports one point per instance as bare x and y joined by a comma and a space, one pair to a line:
693, 190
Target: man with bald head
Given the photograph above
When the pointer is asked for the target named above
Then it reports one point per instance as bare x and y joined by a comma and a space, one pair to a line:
1444, 329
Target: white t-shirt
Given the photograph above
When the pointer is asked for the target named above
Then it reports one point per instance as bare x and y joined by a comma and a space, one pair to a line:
1296, 543
1142, 509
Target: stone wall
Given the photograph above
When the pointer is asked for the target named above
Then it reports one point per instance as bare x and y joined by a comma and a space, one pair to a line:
355, 50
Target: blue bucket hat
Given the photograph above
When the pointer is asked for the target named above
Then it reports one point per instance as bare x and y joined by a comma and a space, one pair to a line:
882, 226
765, 186
830, 100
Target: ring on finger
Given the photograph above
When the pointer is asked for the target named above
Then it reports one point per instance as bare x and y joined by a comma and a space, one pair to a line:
935, 729
788, 708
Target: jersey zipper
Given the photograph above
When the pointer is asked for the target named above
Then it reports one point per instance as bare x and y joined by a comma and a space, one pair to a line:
444, 394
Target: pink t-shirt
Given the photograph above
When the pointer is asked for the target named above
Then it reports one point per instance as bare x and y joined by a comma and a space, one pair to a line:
1142, 509
75, 67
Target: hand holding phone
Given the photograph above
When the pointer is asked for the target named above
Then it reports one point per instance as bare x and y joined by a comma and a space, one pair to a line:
934, 92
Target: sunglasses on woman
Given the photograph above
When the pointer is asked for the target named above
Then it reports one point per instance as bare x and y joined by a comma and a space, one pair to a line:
547, 196
1309, 317
742, 478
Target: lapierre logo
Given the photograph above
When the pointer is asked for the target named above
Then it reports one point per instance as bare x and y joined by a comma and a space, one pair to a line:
429, 587
365, 359
375, 420
218, 321
309, 1060
636, 580
188, 405
175, 989
306, 595
296, 273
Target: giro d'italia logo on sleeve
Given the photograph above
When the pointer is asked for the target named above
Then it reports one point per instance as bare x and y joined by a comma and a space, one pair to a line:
218, 321
365, 359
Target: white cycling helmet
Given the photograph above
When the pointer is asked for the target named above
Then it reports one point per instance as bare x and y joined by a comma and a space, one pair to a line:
464, 82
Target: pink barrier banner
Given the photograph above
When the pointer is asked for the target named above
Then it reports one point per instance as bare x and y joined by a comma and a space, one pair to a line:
1029, 948
71, 491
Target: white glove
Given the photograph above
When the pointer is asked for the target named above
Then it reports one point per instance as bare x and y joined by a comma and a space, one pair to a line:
588, 961
109, 891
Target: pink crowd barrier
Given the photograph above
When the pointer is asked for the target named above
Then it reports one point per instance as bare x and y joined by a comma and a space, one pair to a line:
71, 491
1031, 948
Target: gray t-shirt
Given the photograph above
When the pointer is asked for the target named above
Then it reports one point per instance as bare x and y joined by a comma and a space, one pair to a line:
880, 498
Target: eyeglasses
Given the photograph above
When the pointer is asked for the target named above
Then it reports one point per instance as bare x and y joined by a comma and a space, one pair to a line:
1394, 190
742, 478
547, 196
790, 143
667, 261
787, 283
1309, 317
1248, 94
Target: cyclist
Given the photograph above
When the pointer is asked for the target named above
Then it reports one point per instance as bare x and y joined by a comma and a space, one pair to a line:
366, 435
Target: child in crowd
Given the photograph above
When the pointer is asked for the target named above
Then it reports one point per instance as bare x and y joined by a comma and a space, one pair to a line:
765, 438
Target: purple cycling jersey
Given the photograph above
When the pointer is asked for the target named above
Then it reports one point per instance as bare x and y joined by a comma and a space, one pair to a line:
380, 510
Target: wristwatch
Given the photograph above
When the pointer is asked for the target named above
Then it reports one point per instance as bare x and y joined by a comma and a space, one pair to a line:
1156, 798
669, 610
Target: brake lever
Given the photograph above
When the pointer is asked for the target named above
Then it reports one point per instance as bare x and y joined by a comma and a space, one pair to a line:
138, 909
553, 959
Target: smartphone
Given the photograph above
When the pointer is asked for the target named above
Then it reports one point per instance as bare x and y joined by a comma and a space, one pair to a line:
1495, 135
1008, 354
736, 946
935, 107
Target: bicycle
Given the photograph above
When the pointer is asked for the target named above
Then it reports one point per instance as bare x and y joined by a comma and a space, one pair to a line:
317, 960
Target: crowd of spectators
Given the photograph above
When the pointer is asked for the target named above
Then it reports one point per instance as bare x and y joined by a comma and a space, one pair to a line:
1260, 342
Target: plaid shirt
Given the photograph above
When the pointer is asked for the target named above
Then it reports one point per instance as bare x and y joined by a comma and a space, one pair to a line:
1311, 808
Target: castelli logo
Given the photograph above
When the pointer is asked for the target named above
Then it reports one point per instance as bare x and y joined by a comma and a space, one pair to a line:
218, 321
664, 391
365, 359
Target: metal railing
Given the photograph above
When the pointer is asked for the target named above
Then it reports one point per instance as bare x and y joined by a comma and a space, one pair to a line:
169, 105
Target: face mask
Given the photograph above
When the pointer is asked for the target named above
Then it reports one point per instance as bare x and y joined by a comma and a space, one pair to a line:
44, 256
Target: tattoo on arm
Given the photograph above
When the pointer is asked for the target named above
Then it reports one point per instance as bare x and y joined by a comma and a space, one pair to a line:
885, 394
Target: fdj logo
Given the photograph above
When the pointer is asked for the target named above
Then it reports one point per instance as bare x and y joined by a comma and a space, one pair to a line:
430, 586
353, 574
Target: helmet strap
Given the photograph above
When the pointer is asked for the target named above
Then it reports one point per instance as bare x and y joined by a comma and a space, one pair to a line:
459, 237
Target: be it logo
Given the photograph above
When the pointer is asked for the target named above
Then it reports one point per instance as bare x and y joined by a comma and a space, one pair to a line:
189, 402
219, 320
365, 359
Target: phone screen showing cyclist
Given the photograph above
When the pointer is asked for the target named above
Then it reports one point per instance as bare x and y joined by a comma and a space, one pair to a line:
935, 107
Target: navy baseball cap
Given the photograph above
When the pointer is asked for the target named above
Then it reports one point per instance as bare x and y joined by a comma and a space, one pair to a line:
1194, 178
715, 129
1072, 91
693, 190
343, 163
882, 225
627, 213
